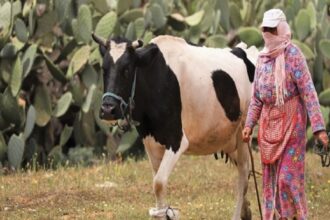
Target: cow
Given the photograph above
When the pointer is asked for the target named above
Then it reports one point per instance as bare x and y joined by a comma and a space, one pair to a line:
183, 99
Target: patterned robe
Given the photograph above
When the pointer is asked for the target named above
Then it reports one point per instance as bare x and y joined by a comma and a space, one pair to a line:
285, 177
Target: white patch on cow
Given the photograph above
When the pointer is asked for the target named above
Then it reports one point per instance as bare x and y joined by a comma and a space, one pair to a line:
203, 118
117, 50
242, 45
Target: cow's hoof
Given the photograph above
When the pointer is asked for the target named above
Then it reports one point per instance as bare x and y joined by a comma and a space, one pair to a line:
166, 213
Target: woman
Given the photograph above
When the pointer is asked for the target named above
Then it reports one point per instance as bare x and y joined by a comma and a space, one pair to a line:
283, 91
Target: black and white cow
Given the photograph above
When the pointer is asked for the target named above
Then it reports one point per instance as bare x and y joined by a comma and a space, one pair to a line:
188, 100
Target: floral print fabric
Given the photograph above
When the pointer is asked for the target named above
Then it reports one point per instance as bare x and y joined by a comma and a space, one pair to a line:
283, 181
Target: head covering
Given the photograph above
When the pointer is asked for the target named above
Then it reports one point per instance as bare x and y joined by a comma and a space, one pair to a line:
274, 48
272, 18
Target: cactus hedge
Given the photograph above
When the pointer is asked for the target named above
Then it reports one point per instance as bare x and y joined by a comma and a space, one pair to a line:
50, 69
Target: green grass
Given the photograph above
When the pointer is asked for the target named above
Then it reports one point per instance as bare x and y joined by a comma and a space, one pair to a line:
201, 187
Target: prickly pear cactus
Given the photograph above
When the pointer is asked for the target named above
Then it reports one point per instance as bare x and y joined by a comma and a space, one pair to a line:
50, 69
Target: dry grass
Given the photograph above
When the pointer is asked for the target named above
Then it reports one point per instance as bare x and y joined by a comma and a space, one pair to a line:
201, 187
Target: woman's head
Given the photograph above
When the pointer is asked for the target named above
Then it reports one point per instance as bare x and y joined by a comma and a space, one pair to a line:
275, 29
277, 35
274, 22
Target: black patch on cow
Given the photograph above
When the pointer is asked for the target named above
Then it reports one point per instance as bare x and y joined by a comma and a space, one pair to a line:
240, 53
227, 94
145, 56
157, 99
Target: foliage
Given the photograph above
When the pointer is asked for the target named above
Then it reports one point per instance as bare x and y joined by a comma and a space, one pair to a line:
48, 62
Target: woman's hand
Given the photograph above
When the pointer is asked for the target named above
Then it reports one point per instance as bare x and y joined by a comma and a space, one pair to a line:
246, 133
323, 137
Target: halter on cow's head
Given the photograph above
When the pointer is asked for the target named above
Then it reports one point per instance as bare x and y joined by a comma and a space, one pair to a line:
119, 76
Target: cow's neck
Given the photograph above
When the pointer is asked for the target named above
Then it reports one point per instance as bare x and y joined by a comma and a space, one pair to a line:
158, 102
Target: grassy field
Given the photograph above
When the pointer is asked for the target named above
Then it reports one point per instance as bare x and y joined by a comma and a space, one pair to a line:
202, 187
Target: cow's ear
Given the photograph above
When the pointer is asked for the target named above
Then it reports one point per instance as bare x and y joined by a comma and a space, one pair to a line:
146, 55
137, 44
134, 45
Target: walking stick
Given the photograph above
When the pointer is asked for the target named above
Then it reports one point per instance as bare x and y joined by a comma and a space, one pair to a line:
255, 179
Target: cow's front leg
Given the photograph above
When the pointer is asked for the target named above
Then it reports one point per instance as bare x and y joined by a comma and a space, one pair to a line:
155, 153
163, 210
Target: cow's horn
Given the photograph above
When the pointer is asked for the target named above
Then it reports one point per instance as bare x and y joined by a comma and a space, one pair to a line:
99, 40
137, 44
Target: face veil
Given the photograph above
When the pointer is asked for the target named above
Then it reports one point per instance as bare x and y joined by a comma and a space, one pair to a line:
274, 49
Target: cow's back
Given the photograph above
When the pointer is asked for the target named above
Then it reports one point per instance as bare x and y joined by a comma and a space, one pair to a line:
204, 119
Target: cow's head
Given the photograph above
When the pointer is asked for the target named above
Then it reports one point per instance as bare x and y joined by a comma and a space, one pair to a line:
120, 62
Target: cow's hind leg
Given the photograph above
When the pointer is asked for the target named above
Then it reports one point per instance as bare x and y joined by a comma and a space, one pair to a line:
243, 210
163, 210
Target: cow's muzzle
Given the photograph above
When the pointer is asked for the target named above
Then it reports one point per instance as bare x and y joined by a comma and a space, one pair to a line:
107, 111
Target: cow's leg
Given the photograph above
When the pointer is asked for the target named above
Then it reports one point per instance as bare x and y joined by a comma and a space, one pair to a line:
161, 178
155, 152
243, 210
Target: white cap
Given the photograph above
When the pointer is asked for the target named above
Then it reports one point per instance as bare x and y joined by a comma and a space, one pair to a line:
272, 17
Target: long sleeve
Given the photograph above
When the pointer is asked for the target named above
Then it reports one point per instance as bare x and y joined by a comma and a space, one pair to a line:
306, 88
255, 105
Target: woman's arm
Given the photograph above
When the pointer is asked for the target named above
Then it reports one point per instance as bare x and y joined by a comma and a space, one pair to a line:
304, 82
